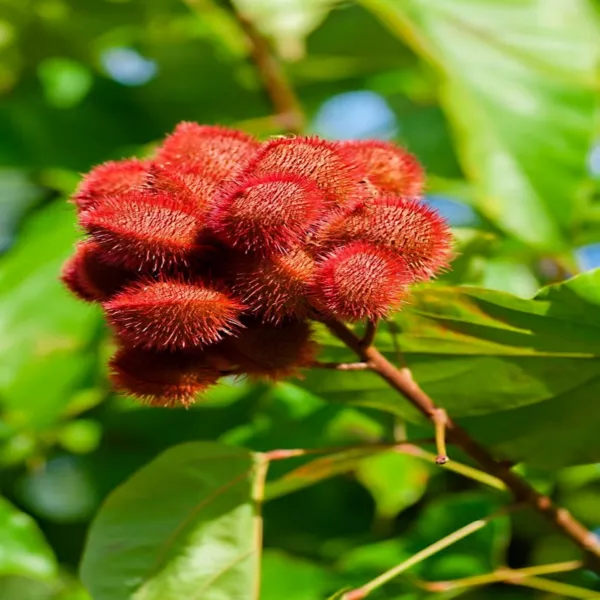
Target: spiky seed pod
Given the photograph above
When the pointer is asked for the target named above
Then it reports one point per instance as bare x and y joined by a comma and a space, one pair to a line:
87, 275
216, 152
273, 351
140, 231
360, 281
390, 168
168, 379
274, 287
326, 163
171, 315
113, 177
413, 229
192, 190
266, 214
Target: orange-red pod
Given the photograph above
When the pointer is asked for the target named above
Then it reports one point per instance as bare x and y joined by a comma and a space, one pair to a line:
274, 287
188, 189
109, 178
326, 163
360, 281
172, 315
273, 351
167, 379
414, 230
216, 152
266, 214
142, 231
87, 275
393, 170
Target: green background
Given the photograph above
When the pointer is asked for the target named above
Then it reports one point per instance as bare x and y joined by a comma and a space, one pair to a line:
499, 100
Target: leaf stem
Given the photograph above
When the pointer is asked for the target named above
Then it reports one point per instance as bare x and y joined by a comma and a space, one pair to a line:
420, 556
455, 467
402, 380
502, 575
355, 366
561, 590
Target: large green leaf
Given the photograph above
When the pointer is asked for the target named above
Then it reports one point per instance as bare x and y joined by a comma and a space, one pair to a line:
45, 333
518, 82
522, 375
184, 526
23, 549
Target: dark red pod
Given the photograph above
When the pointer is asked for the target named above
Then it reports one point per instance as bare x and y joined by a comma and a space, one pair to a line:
273, 351
188, 189
360, 281
414, 230
324, 162
266, 214
168, 379
142, 231
393, 170
90, 278
215, 152
274, 287
171, 315
109, 178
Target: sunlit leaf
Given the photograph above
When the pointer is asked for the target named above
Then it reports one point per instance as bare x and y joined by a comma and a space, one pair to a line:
183, 526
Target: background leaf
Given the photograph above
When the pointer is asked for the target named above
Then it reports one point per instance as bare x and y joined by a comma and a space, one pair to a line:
518, 83
185, 524
23, 549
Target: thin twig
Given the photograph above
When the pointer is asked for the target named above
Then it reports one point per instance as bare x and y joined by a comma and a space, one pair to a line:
370, 332
454, 466
355, 366
557, 588
440, 418
275, 82
365, 590
501, 575
285, 453
402, 380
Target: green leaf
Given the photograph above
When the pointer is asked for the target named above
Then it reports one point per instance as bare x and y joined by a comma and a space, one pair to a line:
291, 578
395, 480
183, 526
23, 549
518, 81
522, 375
45, 333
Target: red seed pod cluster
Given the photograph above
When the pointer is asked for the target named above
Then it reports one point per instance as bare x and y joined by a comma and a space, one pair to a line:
211, 257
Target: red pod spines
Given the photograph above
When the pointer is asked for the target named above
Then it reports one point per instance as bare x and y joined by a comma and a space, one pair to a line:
173, 315
212, 151
191, 190
167, 379
273, 351
274, 287
393, 170
142, 231
360, 281
91, 279
109, 178
266, 214
411, 228
327, 164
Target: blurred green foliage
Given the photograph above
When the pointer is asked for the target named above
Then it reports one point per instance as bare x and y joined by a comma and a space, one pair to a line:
499, 99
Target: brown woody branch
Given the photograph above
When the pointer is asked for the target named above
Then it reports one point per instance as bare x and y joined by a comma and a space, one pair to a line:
402, 380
